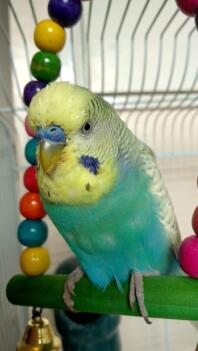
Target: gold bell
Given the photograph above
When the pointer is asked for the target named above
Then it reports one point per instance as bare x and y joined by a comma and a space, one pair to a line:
39, 336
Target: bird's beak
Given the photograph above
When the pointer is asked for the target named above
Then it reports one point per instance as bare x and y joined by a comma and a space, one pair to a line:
50, 154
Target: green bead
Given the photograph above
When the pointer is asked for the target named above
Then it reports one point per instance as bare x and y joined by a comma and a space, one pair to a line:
45, 66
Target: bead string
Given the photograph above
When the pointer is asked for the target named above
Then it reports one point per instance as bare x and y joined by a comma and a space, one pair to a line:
49, 37
188, 251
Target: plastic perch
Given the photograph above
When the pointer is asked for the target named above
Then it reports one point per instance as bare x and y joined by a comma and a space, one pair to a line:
165, 296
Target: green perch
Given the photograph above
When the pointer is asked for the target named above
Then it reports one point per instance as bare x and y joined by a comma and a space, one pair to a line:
165, 296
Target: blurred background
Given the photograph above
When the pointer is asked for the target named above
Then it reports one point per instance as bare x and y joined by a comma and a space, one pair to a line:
142, 57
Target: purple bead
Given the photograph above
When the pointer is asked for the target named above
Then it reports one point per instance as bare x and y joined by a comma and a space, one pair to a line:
66, 12
31, 88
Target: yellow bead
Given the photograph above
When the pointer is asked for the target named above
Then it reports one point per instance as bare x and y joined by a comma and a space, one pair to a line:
49, 36
34, 260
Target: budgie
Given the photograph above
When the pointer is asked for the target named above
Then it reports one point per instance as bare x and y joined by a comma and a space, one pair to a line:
102, 188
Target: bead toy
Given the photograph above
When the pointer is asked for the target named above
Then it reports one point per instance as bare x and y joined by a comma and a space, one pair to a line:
65, 12
188, 7
30, 151
31, 206
49, 36
30, 180
188, 256
31, 89
45, 66
32, 233
29, 130
34, 260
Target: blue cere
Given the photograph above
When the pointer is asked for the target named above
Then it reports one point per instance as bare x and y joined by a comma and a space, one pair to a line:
52, 133
91, 163
40, 134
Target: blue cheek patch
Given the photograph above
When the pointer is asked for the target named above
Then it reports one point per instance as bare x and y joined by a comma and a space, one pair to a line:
91, 163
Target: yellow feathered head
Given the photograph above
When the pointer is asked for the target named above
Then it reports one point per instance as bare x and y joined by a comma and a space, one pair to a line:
77, 143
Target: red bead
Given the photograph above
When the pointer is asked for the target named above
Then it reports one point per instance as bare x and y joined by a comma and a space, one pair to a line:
29, 130
188, 7
30, 179
188, 256
31, 206
195, 221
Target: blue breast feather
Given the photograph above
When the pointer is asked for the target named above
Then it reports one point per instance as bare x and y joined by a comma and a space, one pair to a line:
118, 235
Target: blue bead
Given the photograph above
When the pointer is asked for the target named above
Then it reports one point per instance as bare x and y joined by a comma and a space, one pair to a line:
32, 233
30, 151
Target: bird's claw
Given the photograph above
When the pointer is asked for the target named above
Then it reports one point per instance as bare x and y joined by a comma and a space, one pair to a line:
68, 299
137, 292
72, 279
147, 320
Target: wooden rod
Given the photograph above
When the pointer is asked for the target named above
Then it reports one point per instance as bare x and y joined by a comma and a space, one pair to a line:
165, 296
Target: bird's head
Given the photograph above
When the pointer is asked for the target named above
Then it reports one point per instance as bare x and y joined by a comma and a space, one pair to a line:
77, 147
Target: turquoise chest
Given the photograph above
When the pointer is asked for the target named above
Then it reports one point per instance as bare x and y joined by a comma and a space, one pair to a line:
120, 234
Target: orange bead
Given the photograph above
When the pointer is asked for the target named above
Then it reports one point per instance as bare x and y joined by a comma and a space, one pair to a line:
49, 36
34, 260
31, 206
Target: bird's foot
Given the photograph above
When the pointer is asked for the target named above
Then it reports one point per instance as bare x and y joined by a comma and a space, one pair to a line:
69, 287
137, 292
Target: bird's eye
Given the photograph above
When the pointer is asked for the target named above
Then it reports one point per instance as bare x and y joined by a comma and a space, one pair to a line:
86, 128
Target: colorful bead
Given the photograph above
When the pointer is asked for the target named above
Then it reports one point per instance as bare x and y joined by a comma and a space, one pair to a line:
195, 221
30, 179
31, 206
30, 151
29, 130
188, 7
31, 89
45, 66
188, 256
66, 12
49, 36
32, 233
34, 260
